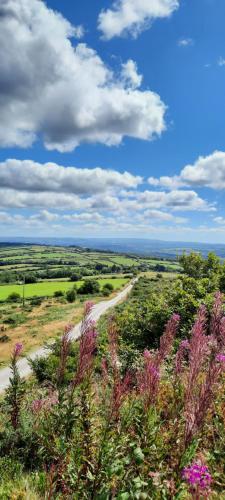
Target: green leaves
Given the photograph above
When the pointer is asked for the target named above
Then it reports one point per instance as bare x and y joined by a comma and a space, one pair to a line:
139, 455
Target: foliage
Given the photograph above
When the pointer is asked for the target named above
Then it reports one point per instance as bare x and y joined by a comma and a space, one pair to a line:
151, 431
71, 295
89, 287
14, 297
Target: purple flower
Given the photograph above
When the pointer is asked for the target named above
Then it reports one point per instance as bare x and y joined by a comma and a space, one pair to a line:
17, 350
197, 477
180, 356
220, 358
88, 307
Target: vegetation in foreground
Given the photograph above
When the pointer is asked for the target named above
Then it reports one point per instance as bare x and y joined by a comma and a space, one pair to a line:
123, 414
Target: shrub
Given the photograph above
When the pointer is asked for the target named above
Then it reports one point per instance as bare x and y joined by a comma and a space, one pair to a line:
109, 287
58, 293
71, 295
14, 297
89, 287
36, 301
4, 339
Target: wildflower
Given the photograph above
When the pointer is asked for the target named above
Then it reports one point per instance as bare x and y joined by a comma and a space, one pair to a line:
37, 405
198, 478
217, 316
199, 394
64, 352
121, 389
182, 351
45, 403
17, 350
87, 349
149, 378
16, 390
88, 306
166, 341
105, 372
220, 358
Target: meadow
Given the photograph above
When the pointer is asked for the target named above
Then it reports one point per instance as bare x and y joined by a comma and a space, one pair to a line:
48, 288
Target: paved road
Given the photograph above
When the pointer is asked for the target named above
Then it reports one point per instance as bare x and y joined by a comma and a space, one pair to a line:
98, 310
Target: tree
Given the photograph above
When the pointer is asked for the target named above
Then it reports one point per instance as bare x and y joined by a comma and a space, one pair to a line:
107, 289
71, 295
89, 287
193, 265
212, 264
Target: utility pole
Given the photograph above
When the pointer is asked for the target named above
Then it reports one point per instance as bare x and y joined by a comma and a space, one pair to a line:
23, 291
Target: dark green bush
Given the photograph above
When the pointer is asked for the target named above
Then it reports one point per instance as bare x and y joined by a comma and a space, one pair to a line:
14, 297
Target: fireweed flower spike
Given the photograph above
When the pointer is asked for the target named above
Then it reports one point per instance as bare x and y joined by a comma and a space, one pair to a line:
221, 358
87, 348
15, 391
180, 356
217, 318
166, 341
198, 478
64, 352
17, 350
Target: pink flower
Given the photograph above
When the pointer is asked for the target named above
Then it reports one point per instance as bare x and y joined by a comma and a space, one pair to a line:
180, 356
220, 358
88, 306
45, 404
37, 405
17, 350
198, 477
166, 341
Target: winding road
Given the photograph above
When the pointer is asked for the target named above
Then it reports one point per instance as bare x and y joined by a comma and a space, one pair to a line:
97, 311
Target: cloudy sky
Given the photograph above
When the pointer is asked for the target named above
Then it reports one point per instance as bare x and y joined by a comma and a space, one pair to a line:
112, 119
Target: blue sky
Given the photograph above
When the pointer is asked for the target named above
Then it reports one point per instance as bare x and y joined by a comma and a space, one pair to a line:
99, 91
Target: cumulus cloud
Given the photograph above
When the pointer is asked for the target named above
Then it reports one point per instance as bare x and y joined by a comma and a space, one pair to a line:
133, 16
176, 200
208, 171
56, 196
64, 93
32, 176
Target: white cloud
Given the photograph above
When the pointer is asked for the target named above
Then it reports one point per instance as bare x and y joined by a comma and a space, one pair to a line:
63, 94
130, 74
221, 61
208, 171
177, 200
27, 175
185, 42
79, 31
220, 220
133, 16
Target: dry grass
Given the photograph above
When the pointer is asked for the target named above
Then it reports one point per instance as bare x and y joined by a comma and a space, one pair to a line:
44, 323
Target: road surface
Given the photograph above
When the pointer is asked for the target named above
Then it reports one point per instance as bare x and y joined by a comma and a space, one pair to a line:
97, 311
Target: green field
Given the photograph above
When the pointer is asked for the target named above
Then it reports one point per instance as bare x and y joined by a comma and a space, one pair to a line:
47, 288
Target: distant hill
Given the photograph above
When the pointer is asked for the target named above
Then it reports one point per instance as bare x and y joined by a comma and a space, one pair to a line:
146, 247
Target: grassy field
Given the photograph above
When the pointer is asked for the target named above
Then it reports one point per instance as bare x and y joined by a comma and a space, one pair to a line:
28, 255
48, 288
